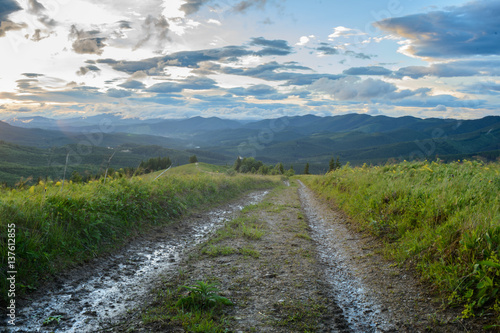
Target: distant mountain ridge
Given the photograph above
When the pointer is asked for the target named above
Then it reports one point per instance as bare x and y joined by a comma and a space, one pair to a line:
299, 139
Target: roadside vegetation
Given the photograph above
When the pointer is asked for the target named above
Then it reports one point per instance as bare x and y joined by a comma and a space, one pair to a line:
442, 219
59, 225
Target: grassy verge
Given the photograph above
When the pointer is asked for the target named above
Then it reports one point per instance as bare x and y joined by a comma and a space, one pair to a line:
57, 227
443, 219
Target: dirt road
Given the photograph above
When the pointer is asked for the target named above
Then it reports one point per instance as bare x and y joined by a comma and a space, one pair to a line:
301, 268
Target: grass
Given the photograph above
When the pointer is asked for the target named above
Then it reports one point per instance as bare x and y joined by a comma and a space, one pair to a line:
58, 226
442, 219
298, 315
198, 310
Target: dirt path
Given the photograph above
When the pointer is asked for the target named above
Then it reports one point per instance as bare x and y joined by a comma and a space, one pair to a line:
308, 271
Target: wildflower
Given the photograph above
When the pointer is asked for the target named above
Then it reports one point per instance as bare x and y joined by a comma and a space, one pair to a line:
32, 189
58, 184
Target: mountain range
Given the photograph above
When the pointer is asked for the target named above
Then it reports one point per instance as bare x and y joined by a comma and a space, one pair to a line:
357, 138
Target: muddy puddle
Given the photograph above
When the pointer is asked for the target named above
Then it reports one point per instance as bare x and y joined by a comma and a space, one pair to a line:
362, 311
88, 299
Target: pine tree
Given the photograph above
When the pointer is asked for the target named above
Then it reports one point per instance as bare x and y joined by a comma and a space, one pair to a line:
306, 169
281, 168
237, 164
193, 159
331, 165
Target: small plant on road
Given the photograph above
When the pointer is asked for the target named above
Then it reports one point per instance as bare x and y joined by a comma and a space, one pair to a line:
202, 295
52, 319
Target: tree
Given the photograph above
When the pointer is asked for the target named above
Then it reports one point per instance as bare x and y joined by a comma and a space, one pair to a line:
193, 159
281, 168
334, 164
306, 169
237, 164
76, 177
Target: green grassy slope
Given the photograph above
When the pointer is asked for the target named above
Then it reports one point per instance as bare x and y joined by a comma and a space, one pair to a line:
442, 219
57, 227
21, 161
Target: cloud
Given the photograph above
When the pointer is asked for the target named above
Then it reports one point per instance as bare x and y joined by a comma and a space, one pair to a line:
90, 68
271, 47
341, 31
273, 71
483, 88
132, 84
353, 88
164, 99
359, 55
243, 6
154, 28
459, 68
86, 42
371, 70
118, 93
192, 6
192, 82
31, 75
25, 85
123, 24
193, 59
304, 40
8, 7
259, 91
327, 50
34, 7
459, 31
440, 108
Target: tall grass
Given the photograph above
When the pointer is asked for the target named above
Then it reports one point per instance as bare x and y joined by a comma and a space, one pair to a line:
443, 219
57, 228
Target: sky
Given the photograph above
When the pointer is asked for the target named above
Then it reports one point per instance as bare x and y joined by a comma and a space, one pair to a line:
249, 59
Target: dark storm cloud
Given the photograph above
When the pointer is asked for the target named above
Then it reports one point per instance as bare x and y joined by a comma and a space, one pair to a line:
86, 42
471, 29
370, 70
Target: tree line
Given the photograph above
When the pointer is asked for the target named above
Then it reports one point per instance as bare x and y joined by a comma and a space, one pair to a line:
251, 165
